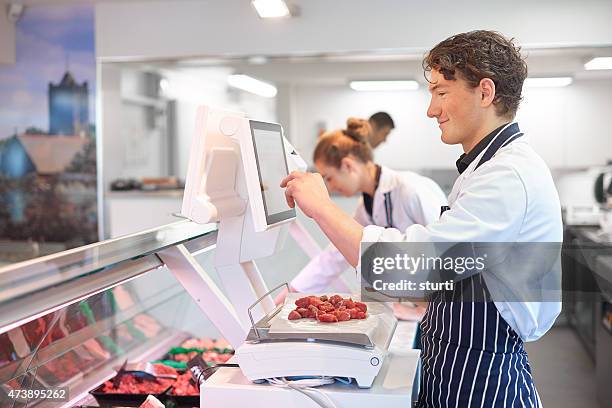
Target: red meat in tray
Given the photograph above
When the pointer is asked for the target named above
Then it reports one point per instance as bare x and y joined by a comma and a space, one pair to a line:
327, 318
303, 302
184, 386
294, 315
328, 309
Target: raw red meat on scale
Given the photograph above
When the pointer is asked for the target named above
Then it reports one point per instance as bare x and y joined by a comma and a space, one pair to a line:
328, 309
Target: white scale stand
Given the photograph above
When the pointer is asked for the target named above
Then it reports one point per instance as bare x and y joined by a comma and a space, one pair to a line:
217, 191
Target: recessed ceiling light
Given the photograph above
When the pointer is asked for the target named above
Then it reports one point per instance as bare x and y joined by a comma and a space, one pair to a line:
599, 63
252, 85
271, 8
548, 82
396, 85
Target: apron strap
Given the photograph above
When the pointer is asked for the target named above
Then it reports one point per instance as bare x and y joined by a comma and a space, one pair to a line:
501, 141
512, 139
389, 209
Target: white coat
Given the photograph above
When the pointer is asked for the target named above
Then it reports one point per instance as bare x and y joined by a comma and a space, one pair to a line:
412, 199
510, 198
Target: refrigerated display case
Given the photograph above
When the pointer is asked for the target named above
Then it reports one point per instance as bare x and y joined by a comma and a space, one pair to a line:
68, 320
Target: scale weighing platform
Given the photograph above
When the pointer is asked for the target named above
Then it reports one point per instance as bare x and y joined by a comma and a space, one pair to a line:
279, 347
394, 386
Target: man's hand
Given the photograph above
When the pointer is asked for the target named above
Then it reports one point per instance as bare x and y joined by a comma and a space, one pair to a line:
308, 191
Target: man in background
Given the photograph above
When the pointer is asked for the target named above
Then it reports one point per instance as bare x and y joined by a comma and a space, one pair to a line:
382, 125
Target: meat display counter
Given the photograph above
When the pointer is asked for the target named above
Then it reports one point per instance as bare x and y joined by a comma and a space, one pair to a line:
68, 320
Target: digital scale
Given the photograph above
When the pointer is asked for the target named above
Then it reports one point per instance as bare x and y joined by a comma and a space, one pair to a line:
279, 347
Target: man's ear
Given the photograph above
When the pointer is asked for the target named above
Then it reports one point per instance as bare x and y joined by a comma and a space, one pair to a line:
487, 92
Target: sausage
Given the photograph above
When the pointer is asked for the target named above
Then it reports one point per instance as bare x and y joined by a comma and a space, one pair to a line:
294, 315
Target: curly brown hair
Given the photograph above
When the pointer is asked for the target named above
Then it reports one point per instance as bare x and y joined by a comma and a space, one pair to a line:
482, 54
352, 141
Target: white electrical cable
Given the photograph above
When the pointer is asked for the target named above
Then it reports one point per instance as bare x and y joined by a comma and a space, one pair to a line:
306, 385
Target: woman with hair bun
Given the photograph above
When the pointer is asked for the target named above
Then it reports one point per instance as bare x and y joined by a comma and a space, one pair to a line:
388, 198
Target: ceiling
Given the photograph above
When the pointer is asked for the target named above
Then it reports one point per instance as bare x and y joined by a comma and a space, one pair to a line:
339, 69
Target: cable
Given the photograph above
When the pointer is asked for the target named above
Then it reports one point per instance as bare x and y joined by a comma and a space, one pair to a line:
346, 380
305, 386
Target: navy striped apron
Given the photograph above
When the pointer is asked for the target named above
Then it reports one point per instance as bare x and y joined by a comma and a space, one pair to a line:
470, 356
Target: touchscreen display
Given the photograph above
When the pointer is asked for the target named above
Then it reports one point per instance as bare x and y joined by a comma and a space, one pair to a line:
272, 168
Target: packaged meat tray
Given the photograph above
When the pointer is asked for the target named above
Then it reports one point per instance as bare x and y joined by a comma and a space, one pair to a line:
212, 351
133, 391
117, 399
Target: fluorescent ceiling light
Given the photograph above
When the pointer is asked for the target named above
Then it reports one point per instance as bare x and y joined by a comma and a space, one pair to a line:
548, 82
599, 63
407, 85
271, 8
252, 85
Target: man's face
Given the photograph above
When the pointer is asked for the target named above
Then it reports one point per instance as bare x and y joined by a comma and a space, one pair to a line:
378, 134
456, 107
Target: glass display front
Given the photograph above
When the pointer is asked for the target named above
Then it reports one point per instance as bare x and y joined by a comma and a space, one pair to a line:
108, 314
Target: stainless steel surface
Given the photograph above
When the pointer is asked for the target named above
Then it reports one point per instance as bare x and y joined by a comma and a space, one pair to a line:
603, 353
603, 275
587, 278
598, 237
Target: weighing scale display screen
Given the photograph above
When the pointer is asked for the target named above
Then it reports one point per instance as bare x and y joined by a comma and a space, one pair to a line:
272, 168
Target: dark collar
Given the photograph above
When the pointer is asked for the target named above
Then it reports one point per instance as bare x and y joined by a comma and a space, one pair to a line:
467, 158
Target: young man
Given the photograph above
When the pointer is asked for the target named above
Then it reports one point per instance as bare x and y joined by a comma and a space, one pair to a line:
382, 125
472, 353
